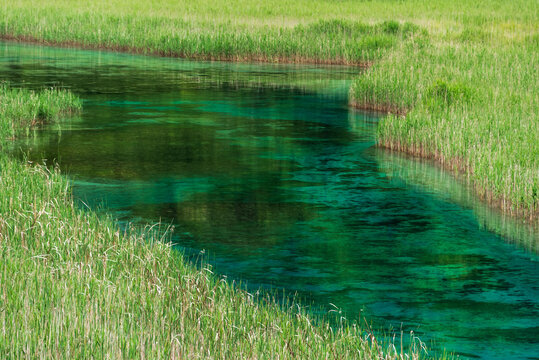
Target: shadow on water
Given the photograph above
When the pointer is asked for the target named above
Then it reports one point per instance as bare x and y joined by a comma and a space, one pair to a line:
267, 169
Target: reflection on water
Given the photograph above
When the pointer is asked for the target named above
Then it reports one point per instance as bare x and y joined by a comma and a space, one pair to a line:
267, 169
423, 175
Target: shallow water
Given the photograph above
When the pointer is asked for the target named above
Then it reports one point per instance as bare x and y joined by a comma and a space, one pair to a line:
266, 169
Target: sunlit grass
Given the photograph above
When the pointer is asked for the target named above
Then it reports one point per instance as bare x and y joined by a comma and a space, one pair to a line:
322, 41
471, 103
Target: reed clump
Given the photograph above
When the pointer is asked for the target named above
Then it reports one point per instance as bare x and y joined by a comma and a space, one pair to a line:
22, 109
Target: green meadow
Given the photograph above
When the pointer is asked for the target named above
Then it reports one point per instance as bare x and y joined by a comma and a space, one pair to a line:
459, 77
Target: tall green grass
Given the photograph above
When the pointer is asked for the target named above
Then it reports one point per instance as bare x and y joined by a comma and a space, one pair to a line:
22, 109
72, 285
471, 102
324, 41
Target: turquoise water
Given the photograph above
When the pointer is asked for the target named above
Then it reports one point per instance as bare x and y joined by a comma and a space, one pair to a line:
266, 170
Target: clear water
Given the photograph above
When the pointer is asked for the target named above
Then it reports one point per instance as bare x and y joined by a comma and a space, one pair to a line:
266, 169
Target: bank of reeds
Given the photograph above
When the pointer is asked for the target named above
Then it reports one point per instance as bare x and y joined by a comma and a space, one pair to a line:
73, 286
322, 42
472, 105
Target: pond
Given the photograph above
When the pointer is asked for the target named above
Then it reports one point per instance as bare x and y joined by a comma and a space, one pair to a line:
266, 171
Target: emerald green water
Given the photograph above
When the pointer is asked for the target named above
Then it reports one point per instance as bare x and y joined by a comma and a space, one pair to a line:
266, 170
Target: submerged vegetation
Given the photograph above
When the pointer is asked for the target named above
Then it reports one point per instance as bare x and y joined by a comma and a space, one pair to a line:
74, 286
460, 77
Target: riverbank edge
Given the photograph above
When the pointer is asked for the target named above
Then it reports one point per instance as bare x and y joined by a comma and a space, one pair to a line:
28, 39
45, 231
457, 167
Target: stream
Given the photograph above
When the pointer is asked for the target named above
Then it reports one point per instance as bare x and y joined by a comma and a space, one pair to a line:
265, 171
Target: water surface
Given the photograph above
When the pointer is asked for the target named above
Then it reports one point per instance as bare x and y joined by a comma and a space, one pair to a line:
266, 169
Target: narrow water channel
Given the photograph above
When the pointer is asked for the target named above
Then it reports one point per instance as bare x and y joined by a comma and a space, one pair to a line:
267, 170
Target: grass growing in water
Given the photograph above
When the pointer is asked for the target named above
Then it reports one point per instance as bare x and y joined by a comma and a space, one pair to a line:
74, 286
22, 109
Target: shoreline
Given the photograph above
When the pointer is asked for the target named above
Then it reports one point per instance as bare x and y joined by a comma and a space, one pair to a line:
377, 108
459, 169
498, 203
31, 40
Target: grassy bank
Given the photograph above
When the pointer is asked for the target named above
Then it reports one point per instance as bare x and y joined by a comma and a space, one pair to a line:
118, 28
73, 286
470, 99
463, 74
